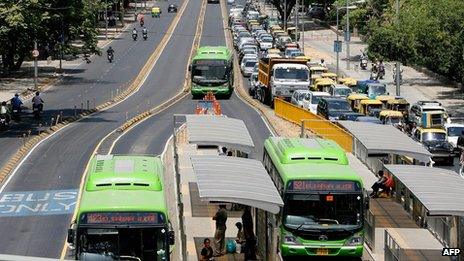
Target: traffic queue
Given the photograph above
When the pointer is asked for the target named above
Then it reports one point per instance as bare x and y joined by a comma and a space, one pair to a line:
277, 68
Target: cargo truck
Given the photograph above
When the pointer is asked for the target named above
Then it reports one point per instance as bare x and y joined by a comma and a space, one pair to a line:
280, 77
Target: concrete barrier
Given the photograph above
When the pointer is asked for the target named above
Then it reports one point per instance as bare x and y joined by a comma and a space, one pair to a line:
315, 123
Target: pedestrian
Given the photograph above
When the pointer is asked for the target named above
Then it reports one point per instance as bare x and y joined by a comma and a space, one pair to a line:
250, 245
461, 163
240, 238
247, 219
380, 183
219, 235
206, 251
16, 103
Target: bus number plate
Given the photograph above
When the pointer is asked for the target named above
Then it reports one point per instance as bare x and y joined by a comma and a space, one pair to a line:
322, 251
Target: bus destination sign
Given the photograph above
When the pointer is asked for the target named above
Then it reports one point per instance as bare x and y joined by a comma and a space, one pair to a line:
122, 218
324, 185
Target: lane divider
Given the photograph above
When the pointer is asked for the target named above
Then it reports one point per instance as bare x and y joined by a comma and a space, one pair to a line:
145, 115
242, 94
133, 88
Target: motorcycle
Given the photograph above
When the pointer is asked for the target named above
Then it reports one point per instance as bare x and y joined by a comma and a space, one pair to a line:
36, 110
374, 75
110, 57
86, 58
145, 36
3, 122
16, 115
142, 23
134, 36
363, 63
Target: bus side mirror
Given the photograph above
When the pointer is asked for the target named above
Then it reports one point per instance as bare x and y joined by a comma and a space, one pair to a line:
190, 68
171, 238
71, 236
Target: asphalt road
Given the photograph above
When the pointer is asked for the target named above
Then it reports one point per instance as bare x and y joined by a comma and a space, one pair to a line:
150, 136
93, 82
58, 163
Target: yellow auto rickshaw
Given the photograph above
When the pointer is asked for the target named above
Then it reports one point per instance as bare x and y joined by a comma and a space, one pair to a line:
291, 31
354, 99
347, 81
274, 28
322, 84
330, 75
384, 99
156, 11
391, 117
399, 104
273, 51
370, 107
316, 71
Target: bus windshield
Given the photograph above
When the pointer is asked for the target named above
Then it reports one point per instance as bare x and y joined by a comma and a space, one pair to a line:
210, 71
144, 243
322, 211
376, 90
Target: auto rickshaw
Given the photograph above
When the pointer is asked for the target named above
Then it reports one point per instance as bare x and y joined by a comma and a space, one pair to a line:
372, 88
384, 99
156, 11
370, 107
291, 31
274, 51
330, 75
316, 71
322, 85
274, 28
354, 99
391, 117
399, 104
347, 81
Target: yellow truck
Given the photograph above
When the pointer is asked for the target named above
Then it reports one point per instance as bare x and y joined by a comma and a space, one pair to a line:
280, 77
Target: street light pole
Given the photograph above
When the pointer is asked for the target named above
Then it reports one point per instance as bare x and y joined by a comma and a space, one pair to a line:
338, 55
296, 21
398, 64
106, 19
36, 68
347, 36
285, 15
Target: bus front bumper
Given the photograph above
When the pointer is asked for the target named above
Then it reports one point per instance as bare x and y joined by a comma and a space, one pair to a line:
302, 250
198, 91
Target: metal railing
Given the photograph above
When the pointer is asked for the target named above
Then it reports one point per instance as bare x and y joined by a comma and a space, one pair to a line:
369, 229
392, 249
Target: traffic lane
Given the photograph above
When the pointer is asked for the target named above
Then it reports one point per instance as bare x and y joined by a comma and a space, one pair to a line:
213, 30
92, 82
150, 136
68, 154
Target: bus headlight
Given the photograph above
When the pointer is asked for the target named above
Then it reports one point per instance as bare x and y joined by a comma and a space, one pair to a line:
290, 239
355, 241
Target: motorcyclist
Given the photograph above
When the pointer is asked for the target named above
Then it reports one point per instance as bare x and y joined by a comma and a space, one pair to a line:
16, 103
381, 68
134, 33
37, 102
142, 22
144, 32
5, 112
322, 63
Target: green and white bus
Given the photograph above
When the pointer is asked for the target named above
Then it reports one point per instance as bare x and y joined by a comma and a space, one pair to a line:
122, 213
212, 71
323, 198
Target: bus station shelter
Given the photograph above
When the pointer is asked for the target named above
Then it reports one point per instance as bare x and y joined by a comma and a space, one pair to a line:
433, 197
374, 141
207, 130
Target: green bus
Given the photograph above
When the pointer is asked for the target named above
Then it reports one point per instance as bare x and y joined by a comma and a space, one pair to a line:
212, 71
122, 213
323, 198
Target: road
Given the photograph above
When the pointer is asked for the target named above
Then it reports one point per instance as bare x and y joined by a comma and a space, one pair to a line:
150, 136
56, 166
94, 82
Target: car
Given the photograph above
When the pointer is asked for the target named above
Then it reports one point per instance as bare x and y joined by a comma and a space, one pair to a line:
213, 1
246, 51
349, 116
247, 66
317, 11
298, 97
331, 108
418, 108
436, 143
289, 51
172, 8
340, 90
454, 131
310, 103
265, 43
254, 84
368, 119
230, 2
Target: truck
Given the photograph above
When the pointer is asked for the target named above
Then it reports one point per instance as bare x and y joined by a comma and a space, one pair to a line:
280, 77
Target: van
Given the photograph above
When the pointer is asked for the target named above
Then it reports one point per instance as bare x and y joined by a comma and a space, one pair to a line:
331, 108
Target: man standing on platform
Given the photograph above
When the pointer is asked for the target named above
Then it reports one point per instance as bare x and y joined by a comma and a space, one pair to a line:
219, 235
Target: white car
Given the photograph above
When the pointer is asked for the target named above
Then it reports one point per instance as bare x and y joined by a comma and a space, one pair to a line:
265, 43
298, 97
454, 131
310, 103
247, 66
340, 90
230, 2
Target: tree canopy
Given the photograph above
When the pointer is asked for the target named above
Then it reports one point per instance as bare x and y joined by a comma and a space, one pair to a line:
53, 24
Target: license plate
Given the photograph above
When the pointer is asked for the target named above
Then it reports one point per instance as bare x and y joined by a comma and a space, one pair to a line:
322, 251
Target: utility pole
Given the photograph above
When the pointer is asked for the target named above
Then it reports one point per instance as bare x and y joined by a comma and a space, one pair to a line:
296, 21
36, 66
348, 36
285, 15
106, 19
398, 64
338, 54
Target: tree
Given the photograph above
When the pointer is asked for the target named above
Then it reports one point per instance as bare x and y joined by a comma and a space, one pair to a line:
52, 24
280, 6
